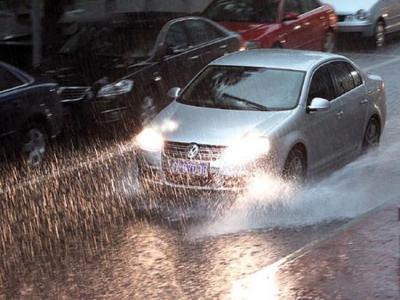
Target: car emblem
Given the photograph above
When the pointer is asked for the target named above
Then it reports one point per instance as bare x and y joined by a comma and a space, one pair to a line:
192, 151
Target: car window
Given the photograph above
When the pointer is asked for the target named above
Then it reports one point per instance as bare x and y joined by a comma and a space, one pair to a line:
135, 41
245, 88
342, 78
321, 85
8, 80
201, 32
243, 10
176, 36
293, 6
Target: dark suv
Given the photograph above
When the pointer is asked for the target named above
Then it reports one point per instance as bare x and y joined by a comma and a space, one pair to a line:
118, 69
30, 113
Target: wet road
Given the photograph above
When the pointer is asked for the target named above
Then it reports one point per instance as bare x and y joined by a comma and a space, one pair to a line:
83, 231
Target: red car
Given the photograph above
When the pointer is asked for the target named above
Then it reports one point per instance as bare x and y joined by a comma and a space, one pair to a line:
296, 24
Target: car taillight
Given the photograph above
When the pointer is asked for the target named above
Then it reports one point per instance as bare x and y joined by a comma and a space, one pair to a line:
333, 20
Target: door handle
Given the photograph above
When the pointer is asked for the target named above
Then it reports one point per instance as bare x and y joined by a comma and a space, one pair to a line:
223, 47
364, 101
194, 57
340, 115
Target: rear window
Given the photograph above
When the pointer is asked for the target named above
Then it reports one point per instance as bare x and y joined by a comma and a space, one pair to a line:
259, 11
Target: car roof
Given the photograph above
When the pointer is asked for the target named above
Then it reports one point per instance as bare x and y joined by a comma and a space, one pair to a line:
277, 59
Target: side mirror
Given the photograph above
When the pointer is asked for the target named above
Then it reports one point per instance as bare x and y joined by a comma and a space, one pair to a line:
174, 92
319, 104
290, 16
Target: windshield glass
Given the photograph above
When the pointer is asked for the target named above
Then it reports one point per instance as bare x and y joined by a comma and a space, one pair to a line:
130, 42
243, 11
245, 88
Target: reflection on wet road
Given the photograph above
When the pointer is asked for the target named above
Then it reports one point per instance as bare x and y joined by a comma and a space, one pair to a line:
159, 261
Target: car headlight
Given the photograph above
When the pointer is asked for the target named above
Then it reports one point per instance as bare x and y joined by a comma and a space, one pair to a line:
117, 88
150, 140
247, 149
361, 15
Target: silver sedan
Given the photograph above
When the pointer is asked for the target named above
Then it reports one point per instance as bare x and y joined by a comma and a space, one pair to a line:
282, 113
370, 18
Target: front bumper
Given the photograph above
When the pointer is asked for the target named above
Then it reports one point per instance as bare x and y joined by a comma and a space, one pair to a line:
364, 28
109, 110
154, 174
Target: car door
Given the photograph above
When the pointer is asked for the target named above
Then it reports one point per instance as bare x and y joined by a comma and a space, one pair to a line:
323, 127
179, 58
207, 43
295, 31
315, 23
353, 93
11, 103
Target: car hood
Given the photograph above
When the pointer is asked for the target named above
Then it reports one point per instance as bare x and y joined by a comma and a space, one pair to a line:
212, 126
350, 7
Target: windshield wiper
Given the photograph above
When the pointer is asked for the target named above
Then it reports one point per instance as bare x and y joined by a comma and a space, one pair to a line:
257, 106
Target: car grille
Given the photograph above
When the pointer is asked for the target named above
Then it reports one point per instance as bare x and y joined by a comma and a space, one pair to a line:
341, 18
174, 150
179, 151
72, 94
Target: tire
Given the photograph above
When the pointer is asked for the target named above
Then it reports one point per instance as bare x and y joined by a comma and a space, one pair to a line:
34, 143
295, 168
372, 134
277, 46
329, 44
379, 38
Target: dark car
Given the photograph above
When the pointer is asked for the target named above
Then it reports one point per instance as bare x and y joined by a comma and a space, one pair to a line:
30, 113
294, 24
128, 64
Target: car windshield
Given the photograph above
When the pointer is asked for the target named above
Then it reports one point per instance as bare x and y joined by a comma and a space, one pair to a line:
245, 88
243, 11
132, 42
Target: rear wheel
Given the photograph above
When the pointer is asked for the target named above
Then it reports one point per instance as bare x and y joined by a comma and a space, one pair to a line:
372, 134
379, 35
295, 169
34, 143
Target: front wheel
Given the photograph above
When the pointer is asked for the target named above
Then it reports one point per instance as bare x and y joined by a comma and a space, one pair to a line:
34, 144
372, 134
295, 169
379, 35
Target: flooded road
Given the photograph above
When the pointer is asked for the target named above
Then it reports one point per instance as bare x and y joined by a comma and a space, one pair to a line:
84, 232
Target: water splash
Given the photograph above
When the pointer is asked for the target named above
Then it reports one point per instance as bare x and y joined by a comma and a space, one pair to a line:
358, 187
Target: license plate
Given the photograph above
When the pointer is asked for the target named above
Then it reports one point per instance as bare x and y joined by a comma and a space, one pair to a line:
185, 167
